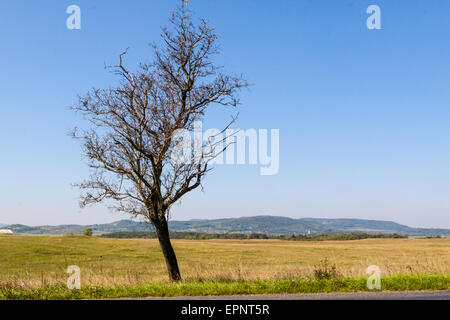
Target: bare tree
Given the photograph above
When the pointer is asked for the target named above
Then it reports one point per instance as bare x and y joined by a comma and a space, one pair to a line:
130, 137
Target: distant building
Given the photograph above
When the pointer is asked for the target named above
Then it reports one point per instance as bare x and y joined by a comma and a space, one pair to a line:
6, 232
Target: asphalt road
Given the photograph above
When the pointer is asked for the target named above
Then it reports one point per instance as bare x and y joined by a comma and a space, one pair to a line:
397, 295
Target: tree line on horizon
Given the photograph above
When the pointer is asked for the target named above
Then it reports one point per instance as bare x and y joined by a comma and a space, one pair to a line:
254, 236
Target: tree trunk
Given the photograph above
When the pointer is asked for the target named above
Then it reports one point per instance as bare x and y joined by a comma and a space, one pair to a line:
162, 230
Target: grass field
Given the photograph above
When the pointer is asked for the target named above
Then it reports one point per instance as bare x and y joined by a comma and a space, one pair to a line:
36, 266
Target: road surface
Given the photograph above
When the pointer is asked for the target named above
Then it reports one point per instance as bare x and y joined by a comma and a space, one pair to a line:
388, 295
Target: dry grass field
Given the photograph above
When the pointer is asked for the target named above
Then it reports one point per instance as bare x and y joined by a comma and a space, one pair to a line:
34, 262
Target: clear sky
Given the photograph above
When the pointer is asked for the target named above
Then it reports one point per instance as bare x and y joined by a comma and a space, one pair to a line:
364, 115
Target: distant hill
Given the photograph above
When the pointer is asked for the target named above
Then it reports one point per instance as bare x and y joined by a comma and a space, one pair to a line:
269, 225
119, 226
289, 226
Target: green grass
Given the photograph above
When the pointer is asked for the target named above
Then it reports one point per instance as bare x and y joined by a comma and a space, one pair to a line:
215, 288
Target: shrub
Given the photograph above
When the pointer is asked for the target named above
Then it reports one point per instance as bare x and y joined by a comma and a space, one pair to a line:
325, 270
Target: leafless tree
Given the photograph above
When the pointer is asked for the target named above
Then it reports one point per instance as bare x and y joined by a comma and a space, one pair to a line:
131, 127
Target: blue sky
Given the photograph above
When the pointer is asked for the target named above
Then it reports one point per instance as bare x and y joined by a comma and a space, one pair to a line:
364, 115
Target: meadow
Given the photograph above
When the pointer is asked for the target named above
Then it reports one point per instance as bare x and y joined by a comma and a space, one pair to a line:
35, 266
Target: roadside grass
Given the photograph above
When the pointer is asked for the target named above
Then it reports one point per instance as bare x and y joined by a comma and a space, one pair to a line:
224, 288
